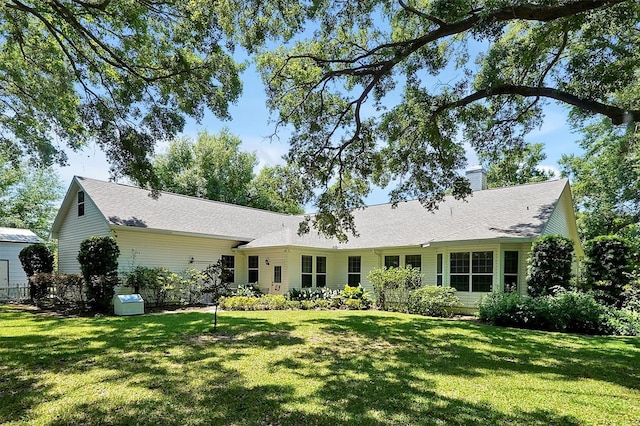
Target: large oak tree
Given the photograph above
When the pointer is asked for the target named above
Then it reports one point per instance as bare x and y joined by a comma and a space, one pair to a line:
387, 91
122, 73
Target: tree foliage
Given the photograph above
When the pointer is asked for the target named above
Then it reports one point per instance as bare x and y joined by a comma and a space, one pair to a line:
217, 285
277, 188
214, 167
383, 90
608, 267
122, 73
549, 265
515, 166
606, 180
28, 196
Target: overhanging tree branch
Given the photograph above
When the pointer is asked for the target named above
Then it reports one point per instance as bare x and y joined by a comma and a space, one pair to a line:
616, 114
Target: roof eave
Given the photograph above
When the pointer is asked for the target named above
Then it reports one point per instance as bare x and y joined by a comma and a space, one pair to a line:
499, 240
117, 227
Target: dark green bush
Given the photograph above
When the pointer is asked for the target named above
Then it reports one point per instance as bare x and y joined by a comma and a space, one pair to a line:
549, 265
98, 257
433, 301
621, 322
568, 311
36, 259
608, 267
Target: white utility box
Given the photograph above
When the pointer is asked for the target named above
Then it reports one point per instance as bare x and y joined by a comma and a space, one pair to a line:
128, 304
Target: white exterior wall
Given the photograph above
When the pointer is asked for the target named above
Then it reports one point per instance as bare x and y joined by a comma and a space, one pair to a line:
75, 229
274, 257
10, 252
174, 252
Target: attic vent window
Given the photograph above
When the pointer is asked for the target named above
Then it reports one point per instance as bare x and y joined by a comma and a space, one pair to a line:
80, 203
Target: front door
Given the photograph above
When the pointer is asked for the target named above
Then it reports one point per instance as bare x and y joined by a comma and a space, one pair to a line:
4, 279
276, 280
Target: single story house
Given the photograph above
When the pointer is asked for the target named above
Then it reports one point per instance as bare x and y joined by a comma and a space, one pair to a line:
13, 281
478, 245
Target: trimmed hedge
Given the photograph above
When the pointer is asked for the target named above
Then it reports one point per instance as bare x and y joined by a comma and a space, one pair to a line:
433, 301
549, 265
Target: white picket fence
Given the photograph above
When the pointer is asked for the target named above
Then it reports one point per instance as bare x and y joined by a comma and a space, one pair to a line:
14, 292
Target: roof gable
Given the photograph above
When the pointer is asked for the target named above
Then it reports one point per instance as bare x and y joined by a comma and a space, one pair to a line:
129, 206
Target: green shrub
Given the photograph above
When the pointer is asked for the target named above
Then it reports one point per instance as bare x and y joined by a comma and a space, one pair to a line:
191, 286
308, 305
250, 303
392, 286
100, 291
568, 311
248, 290
140, 278
608, 267
300, 294
98, 257
354, 304
621, 322
356, 293
576, 312
433, 301
36, 259
40, 284
631, 297
68, 289
549, 265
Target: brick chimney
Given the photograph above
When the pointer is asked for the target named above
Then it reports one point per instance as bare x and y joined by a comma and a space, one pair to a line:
477, 178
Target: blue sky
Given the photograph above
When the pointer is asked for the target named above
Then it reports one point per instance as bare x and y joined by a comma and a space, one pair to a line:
251, 122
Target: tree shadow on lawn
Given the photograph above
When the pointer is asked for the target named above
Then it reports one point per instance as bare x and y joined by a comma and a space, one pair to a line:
448, 346
126, 346
356, 384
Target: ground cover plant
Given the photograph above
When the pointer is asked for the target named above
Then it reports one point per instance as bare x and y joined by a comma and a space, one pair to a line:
308, 367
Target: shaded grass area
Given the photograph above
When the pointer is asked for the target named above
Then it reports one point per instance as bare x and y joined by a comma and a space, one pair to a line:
308, 367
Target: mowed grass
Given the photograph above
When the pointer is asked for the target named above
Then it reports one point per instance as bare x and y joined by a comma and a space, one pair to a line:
308, 367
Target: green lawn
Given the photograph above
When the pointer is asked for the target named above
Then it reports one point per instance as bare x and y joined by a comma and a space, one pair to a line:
308, 367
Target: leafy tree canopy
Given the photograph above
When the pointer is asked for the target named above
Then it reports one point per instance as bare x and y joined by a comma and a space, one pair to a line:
214, 167
28, 196
606, 180
122, 73
515, 166
387, 90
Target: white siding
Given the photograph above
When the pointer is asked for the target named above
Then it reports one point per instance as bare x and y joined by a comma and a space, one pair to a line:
153, 249
10, 252
75, 229
557, 223
274, 257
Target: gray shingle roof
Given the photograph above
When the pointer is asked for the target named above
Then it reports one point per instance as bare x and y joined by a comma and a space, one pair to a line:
126, 205
16, 235
512, 212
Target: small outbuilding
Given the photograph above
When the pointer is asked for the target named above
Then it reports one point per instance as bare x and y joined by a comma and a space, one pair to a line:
14, 284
